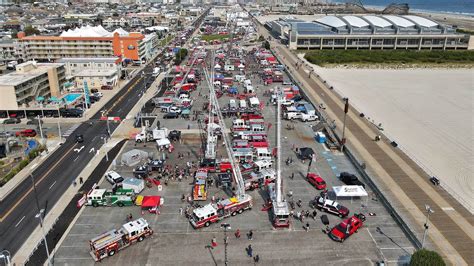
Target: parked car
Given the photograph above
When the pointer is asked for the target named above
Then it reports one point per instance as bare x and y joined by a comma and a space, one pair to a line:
34, 121
350, 179
6, 134
347, 227
98, 94
71, 112
114, 178
26, 133
316, 181
94, 90
174, 109
12, 121
170, 116
331, 206
106, 87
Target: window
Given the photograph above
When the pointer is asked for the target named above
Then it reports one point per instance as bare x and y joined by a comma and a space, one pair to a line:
134, 233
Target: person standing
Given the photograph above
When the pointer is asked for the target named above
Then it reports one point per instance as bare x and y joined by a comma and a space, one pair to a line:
237, 233
250, 235
250, 251
256, 259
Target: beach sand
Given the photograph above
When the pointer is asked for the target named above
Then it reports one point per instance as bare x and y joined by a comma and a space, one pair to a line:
428, 112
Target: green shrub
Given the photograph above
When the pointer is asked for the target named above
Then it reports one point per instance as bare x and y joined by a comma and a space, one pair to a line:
322, 57
425, 257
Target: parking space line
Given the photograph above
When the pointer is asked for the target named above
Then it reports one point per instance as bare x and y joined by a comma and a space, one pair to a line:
76, 158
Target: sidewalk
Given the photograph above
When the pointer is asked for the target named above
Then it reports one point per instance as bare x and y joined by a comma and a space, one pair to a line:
122, 131
52, 145
393, 172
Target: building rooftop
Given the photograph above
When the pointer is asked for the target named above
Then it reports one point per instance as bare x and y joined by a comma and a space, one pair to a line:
89, 59
89, 31
399, 21
96, 73
18, 77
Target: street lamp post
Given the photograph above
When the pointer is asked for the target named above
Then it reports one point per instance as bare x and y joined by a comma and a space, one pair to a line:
41, 130
5, 255
106, 152
40, 216
226, 227
426, 225
346, 109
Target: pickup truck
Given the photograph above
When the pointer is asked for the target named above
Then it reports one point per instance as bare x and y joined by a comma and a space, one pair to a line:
306, 118
350, 179
330, 206
347, 228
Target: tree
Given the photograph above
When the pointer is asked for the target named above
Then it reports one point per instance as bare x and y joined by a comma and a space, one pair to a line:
30, 30
14, 34
425, 257
266, 45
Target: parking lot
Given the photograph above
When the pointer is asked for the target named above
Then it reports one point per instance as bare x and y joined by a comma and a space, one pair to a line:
175, 242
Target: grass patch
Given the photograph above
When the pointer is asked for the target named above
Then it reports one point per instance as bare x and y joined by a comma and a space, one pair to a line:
465, 31
32, 155
331, 57
213, 37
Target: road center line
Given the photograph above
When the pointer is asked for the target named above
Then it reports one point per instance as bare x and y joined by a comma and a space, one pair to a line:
21, 220
52, 185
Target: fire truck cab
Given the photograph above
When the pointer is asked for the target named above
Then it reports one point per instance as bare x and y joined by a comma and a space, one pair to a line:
109, 243
215, 212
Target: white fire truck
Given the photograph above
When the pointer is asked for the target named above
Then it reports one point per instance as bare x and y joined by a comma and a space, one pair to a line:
111, 242
212, 213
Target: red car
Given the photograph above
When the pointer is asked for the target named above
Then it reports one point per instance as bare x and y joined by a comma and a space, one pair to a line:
26, 133
316, 181
347, 227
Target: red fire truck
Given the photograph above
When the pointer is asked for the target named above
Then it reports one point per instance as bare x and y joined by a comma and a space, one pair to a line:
109, 243
212, 213
216, 166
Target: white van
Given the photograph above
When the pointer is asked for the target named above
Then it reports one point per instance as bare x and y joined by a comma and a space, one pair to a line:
156, 71
243, 104
239, 78
232, 104
247, 82
254, 102
249, 89
263, 154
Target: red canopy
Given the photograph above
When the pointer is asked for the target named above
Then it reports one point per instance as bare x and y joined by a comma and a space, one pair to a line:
151, 201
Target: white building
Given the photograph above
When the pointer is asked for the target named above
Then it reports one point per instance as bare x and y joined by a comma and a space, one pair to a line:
96, 71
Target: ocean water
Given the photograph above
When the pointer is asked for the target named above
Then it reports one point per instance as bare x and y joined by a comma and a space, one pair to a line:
465, 7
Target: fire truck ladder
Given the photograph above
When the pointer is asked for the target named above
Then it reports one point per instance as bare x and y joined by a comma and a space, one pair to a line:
240, 189
211, 137
280, 207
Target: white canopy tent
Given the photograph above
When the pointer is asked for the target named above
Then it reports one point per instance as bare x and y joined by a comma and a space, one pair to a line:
350, 191
133, 157
163, 142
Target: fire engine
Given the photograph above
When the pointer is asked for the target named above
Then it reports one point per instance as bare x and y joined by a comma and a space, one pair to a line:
200, 185
109, 243
102, 197
216, 166
214, 212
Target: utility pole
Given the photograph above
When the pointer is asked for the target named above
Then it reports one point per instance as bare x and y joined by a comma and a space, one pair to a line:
346, 109
41, 130
426, 225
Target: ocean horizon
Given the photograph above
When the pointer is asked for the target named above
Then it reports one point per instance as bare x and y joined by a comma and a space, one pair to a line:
461, 7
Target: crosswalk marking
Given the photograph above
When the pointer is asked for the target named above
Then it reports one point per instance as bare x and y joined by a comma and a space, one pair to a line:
68, 132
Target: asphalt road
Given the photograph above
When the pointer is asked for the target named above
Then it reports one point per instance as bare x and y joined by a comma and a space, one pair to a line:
55, 175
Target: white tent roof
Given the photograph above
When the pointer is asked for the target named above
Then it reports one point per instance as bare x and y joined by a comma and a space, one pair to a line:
163, 142
90, 31
350, 191
332, 21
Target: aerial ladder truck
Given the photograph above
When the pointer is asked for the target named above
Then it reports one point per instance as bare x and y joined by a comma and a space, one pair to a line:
214, 212
280, 212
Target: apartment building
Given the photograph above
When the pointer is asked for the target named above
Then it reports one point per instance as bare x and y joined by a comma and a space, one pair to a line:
95, 71
83, 42
30, 81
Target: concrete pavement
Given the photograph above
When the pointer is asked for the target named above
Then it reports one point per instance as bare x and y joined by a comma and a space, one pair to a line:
386, 176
